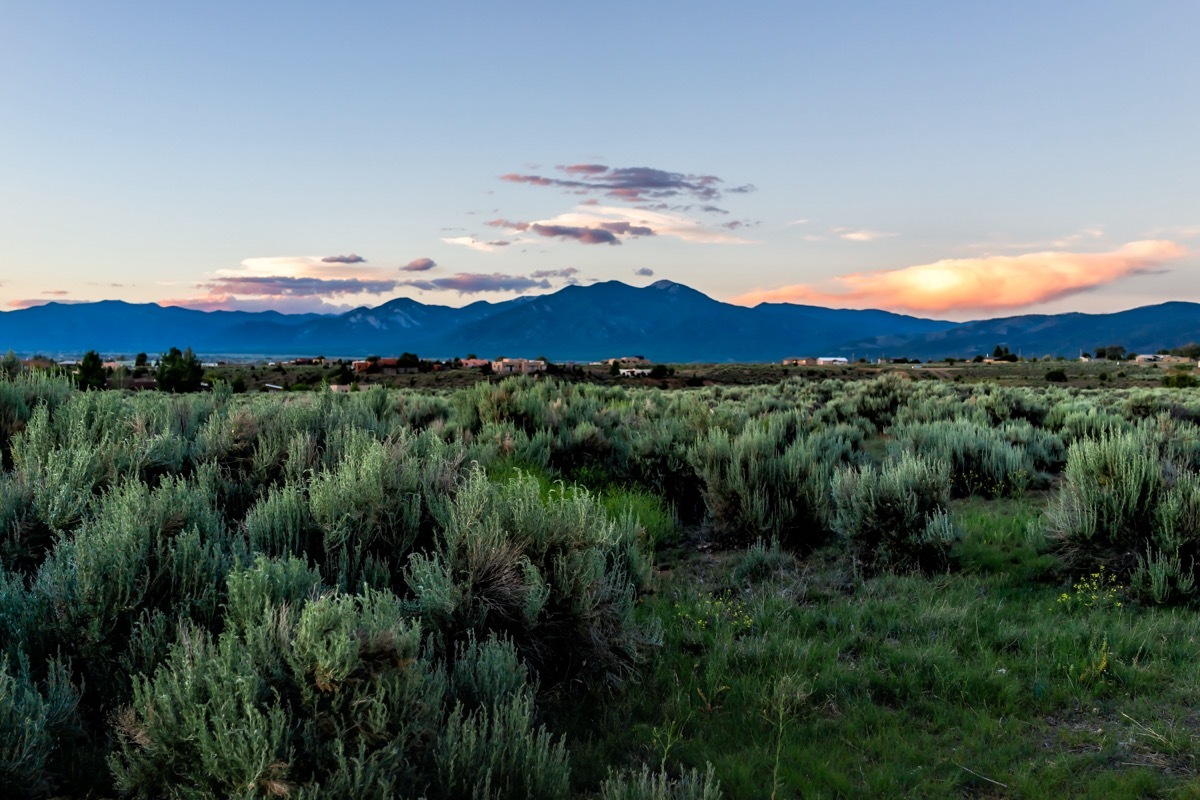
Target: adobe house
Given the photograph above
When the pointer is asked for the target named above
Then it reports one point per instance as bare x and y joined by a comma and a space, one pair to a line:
517, 366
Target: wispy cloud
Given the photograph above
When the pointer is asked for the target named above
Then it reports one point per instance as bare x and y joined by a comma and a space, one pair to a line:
419, 265
583, 235
631, 184
1176, 232
862, 235
350, 259
287, 286
473, 243
284, 305
565, 272
999, 244
476, 283
621, 221
988, 283
289, 283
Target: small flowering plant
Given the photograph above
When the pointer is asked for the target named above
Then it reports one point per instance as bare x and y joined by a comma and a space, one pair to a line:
712, 612
1098, 589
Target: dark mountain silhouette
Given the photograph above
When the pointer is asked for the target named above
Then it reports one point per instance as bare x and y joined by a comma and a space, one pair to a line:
665, 321
1141, 330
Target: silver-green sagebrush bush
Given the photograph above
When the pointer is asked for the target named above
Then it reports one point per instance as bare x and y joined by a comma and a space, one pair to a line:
758, 483
35, 718
1126, 505
557, 575
981, 462
894, 515
645, 784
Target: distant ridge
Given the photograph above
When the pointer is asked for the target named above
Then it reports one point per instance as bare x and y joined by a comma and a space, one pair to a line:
665, 321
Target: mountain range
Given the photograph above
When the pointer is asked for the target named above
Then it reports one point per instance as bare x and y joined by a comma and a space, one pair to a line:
665, 321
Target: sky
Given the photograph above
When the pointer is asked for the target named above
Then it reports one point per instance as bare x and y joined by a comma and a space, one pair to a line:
944, 159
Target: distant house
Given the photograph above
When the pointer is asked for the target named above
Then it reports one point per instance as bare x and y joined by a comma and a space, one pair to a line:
805, 361
475, 363
38, 363
517, 366
633, 372
832, 360
342, 388
385, 366
628, 361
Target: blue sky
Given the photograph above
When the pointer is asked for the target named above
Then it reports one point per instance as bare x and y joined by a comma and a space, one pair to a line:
942, 158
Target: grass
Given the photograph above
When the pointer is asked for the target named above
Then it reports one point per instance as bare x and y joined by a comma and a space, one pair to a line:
976, 682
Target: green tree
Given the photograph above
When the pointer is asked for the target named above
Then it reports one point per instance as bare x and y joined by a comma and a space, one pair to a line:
10, 365
179, 372
91, 371
140, 360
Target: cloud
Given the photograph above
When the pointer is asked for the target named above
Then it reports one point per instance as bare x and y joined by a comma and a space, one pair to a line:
1176, 232
473, 243
1001, 244
620, 221
580, 234
288, 283
56, 292
988, 283
852, 235
645, 272
632, 184
475, 283
287, 286
419, 265
508, 224
284, 305
350, 259
566, 272
585, 169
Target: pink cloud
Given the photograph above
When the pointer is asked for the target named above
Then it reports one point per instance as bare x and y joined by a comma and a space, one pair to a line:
988, 283
419, 265
475, 283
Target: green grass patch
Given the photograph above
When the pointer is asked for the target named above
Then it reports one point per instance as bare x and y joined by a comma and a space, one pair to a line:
974, 682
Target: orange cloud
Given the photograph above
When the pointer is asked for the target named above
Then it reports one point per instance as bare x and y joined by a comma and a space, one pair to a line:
985, 283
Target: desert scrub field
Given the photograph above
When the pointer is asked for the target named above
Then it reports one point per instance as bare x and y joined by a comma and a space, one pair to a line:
814, 588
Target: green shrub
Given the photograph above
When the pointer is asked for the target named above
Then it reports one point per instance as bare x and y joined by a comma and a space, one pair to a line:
35, 718
981, 459
556, 575
335, 699
761, 562
649, 512
1106, 507
645, 784
757, 483
498, 752
1180, 380
894, 515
